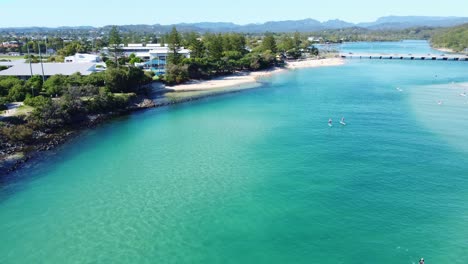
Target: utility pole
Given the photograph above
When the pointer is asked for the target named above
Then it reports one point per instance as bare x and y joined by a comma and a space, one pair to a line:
42, 66
46, 46
29, 57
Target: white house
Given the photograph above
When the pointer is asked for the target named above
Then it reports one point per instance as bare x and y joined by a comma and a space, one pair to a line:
153, 55
83, 58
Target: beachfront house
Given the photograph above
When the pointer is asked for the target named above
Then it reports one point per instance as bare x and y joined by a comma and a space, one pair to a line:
154, 56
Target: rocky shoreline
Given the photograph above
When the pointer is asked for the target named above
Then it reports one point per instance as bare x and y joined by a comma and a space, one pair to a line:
14, 155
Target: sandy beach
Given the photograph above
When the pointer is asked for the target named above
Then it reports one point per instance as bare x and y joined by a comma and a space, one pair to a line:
315, 63
243, 78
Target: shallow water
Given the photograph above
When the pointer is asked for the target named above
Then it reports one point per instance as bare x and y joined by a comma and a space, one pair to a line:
259, 177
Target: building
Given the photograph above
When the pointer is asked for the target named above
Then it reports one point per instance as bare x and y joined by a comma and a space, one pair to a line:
83, 58
10, 44
23, 71
315, 39
153, 55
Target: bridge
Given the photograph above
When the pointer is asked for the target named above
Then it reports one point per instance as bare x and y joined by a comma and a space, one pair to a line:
387, 56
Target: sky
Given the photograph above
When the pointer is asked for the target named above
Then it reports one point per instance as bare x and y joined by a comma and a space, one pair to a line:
54, 13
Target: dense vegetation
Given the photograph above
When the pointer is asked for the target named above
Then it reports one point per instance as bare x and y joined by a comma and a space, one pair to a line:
219, 54
362, 34
455, 38
67, 100
116, 80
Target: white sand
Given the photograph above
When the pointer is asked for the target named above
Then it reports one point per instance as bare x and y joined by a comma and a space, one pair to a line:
314, 63
243, 78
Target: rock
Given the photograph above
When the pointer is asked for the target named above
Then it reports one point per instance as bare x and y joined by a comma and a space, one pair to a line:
146, 103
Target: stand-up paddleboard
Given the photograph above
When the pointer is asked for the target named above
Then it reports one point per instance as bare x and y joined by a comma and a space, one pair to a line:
342, 122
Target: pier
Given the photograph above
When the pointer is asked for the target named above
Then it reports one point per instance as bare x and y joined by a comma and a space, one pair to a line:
386, 56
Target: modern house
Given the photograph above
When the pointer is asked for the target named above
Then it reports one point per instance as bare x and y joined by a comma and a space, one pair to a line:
83, 58
153, 55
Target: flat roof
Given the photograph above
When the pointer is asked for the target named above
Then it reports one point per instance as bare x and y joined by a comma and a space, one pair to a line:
49, 69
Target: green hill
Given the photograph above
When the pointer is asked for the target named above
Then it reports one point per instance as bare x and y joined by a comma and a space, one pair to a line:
455, 38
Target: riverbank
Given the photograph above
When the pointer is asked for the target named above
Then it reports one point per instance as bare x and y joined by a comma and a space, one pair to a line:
447, 50
244, 78
236, 79
14, 155
315, 63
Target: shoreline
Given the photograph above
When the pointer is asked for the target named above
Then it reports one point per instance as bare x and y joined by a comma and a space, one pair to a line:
244, 78
16, 156
447, 50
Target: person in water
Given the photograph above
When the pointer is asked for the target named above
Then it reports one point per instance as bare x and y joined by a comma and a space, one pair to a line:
330, 122
421, 261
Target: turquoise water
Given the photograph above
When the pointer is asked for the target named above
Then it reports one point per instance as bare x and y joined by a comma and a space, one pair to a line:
259, 177
399, 47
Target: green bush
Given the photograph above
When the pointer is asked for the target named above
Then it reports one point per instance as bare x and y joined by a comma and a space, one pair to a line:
37, 101
17, 133
3, 102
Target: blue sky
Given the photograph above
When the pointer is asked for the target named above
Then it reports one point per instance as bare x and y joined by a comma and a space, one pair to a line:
98, 13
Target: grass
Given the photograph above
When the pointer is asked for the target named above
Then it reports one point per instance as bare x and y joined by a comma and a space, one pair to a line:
24, 110
126, 96
2, 57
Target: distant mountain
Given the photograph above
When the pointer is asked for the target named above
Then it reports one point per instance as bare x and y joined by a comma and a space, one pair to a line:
212, 25
402, 22
304, 25
283, 26
44, 29
336, 24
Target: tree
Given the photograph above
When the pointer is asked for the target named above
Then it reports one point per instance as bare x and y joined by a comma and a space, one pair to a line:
286, 43
116, 80
6, 83
133, 59
95, 79
37, 101
297, 40
196, 46
55, 85
114, 44
214, 44
72, 48
75, 79
176, 74
269, 43
18, 93
175, 43
135, 78
35, 84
